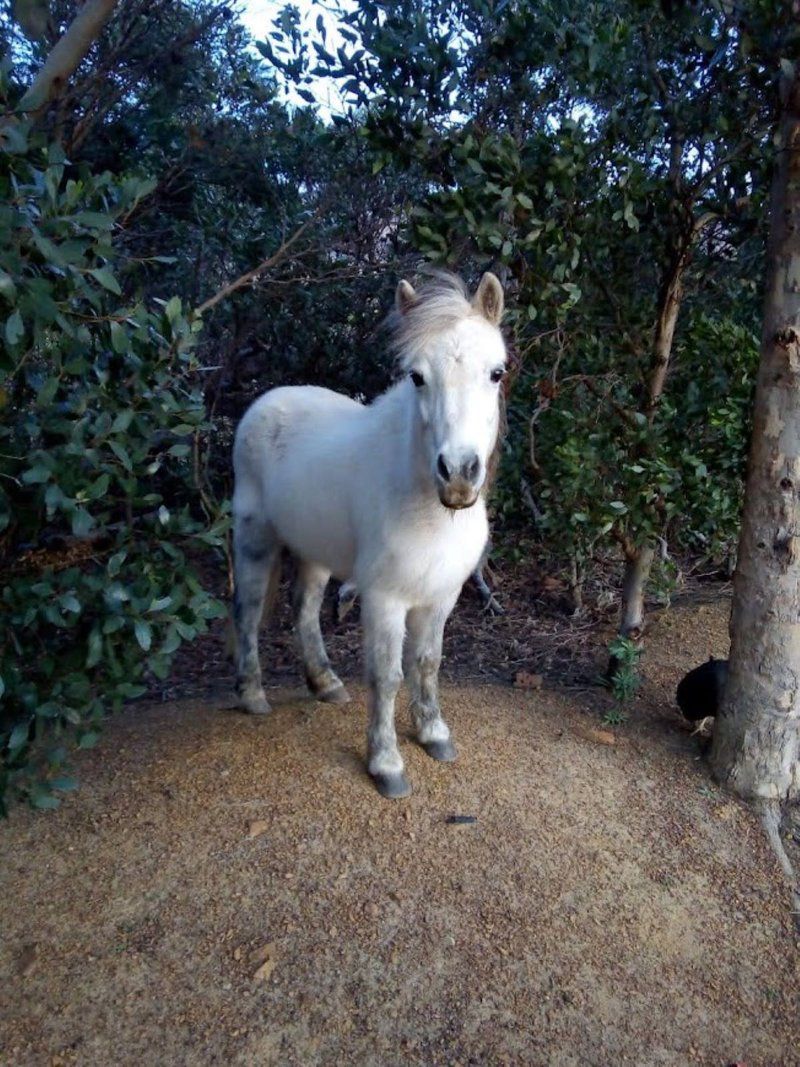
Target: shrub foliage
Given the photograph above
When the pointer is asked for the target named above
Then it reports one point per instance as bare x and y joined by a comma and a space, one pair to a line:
101, 423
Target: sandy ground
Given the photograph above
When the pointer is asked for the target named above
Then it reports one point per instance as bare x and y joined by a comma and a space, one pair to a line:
229, 890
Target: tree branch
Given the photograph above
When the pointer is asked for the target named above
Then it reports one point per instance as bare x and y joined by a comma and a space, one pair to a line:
67, 54
252, 275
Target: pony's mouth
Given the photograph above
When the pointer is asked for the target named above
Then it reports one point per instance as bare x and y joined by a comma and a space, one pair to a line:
458, 499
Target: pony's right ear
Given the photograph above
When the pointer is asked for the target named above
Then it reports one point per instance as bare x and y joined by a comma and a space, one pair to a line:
405, 297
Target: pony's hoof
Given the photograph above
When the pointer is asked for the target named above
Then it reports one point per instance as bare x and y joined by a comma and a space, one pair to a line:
256, 704
337, 695
445, 751
392, 786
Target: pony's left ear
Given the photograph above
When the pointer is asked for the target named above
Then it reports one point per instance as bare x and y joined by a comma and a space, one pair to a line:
405, 296
488, 298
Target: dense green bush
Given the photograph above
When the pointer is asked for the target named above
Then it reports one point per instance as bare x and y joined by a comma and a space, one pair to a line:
99, 437
601, 470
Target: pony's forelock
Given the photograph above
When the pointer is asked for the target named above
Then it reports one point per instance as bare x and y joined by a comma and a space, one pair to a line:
440, 303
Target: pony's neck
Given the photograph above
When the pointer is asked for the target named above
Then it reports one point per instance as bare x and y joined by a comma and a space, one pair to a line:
399, 417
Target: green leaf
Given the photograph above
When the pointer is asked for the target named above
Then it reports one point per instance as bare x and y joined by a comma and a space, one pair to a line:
15, 329
119, 338
15, 137
159, 665
95, 220
115, 563
122, 421
106, 279
122, 454
47, 393
7, 287
95, 648
65, 783
82, 522
144, 634
19, 736
44, 801
35, 475
99, 487
171, 642
173, 309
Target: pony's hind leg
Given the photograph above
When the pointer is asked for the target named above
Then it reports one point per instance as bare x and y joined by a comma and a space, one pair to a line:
422, 656
309, 591
256, 557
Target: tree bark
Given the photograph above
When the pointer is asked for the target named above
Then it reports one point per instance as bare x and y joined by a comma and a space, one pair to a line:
757, 734
67, 54
669, 305
637, 572
639, 557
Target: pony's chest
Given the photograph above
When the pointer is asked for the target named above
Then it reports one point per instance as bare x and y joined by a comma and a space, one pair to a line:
424, 560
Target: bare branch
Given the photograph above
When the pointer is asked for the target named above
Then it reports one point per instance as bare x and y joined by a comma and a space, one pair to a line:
251, 275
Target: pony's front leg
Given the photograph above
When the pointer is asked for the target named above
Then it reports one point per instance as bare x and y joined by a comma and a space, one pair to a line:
384, 629
423, 656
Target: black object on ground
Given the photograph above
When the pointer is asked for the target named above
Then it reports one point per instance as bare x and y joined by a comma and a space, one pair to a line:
700, 692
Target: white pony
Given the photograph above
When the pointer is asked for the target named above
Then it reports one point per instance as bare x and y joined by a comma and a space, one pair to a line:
387, 497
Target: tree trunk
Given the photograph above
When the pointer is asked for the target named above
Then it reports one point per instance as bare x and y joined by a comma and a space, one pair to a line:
757, 734
669, 305
639, 557
67, 54
637, 572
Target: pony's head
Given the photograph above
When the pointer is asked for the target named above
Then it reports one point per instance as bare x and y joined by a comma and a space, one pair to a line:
451, 349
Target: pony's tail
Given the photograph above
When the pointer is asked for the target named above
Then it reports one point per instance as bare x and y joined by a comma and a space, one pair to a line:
231, 645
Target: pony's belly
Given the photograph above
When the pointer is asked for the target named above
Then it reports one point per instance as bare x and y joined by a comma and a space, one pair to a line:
307, 499
323, 538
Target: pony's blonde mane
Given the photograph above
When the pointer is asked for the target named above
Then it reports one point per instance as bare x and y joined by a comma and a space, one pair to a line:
441, 302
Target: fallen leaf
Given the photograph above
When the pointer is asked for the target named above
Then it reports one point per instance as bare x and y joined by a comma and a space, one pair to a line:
552, 585
598, 737
264, 960
725, 811
257, 827
526, 680
26, 960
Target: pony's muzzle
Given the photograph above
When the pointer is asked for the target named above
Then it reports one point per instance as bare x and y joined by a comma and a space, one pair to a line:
458, 483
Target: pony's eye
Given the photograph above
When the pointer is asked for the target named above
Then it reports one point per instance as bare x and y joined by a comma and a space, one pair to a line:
498, 374
417, 378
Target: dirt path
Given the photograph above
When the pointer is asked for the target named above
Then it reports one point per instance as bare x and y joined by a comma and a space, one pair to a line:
609, 904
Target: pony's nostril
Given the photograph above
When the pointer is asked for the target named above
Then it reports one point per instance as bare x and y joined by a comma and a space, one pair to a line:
442, 468
471, 469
